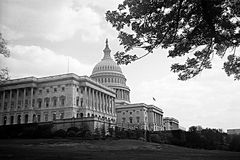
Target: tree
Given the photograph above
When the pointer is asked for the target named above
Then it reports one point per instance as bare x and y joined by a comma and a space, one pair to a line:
6, 53
197, 29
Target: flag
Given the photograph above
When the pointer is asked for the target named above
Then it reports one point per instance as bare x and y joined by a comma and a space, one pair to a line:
154, 99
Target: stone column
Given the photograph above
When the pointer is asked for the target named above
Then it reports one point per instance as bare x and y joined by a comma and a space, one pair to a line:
10, 100
31, 99
17, 97
3, 101
24, 97
85, 97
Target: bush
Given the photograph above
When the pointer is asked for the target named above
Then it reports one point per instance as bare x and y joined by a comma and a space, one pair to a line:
155, 138
60, 133
71, 133
73, 129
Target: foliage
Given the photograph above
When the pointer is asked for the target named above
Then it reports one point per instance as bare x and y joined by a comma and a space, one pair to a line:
6, 53
197, 29
60, 133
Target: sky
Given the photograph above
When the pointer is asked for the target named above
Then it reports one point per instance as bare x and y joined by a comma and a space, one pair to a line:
44, 35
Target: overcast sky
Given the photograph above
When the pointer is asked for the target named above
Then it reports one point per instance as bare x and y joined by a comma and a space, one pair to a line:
43, 34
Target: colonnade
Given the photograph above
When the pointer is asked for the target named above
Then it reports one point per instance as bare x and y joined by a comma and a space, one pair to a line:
98, 101
122, 94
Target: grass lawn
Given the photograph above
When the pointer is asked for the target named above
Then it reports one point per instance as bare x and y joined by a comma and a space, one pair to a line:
57, 149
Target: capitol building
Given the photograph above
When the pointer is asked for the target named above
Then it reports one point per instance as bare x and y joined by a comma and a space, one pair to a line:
103, 99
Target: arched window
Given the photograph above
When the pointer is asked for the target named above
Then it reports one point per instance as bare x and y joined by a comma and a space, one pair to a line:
88, 114
77, 101
19, 119
34, 118
26, 118
130, 120
4, 120
47, 100
81, 115
12, 120
62, 100
92, 115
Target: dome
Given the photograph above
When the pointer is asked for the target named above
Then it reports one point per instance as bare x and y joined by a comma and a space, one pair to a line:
110, 74
107, 64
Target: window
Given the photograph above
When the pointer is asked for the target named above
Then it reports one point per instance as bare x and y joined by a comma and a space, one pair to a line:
4, 120
81, 115
39, 118
62, 115
26, 118
46, 117
39, 103
77, 101
62, 100
12, 120
40, 91
5, 106
47, 90
63, 89
26, 103
55, 102
123, 120
19, 104
19, 119
123, 113
130, 120
138, 119
77, 89
130, 112
47, 100
33, 102
55, 89
12, 104
54, 116
81, 102
34, 118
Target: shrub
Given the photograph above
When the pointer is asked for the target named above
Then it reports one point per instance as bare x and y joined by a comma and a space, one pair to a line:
71, 133
60, 133
155, 138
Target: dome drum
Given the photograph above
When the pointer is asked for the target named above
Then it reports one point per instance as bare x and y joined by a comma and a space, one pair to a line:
110, 74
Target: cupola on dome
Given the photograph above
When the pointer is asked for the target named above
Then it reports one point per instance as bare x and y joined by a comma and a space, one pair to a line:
107, 64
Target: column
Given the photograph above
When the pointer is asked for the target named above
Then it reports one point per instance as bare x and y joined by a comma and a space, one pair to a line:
31, 98
24, 97
85, 97
3, 102
97, 100
17, 97
122, 94
10, 99
100, 101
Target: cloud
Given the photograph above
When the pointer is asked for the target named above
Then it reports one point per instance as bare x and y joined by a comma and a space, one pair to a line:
206, 100
52, 20
37, 61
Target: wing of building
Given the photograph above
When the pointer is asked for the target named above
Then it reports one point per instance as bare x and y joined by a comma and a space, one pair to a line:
102, 97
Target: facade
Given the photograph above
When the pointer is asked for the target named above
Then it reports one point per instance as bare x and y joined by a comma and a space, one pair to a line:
139, 115
110, 74
69, 99
233, 131
170, 123
29, 100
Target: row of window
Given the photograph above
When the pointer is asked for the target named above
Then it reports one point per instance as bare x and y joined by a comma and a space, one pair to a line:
110, 80
131, 120
35, 118
81, 115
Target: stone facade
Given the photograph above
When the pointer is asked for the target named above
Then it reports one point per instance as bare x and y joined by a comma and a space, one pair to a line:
103, 98
139, 115
170, 123
29, 100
